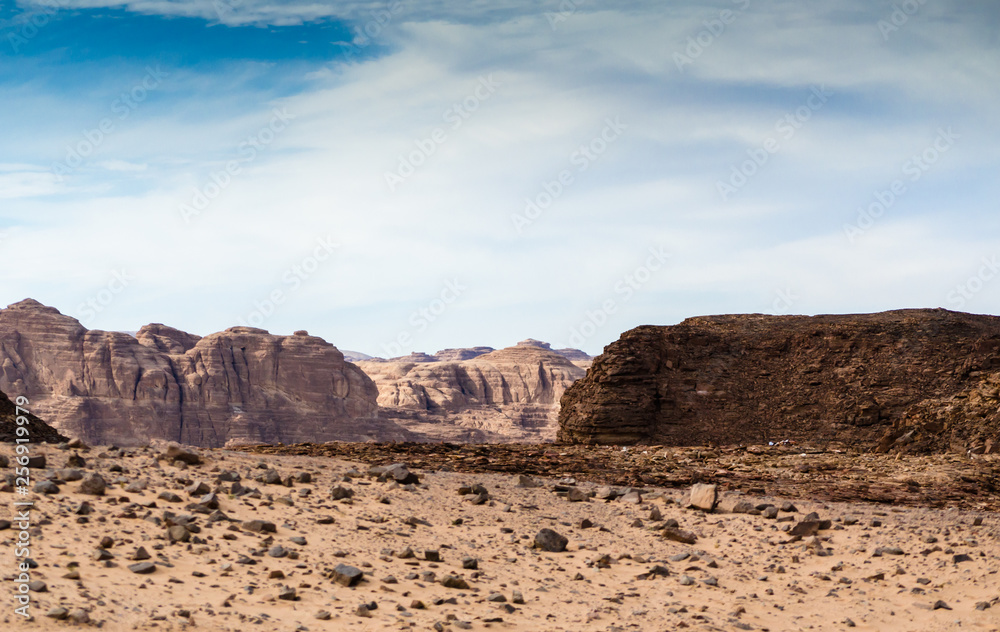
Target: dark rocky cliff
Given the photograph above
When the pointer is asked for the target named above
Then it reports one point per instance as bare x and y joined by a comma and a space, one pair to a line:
888, 380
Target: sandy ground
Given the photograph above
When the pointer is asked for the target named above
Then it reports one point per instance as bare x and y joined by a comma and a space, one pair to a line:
876, 568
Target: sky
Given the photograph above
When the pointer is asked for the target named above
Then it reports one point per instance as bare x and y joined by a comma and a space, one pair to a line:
404, 176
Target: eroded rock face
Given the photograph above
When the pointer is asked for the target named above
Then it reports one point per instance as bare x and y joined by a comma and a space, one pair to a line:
507, 395
755, 378
242, 385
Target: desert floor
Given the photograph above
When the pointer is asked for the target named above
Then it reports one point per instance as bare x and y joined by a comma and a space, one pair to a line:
926, 557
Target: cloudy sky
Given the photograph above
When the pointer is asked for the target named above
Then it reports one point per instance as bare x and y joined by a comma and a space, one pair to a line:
409, 176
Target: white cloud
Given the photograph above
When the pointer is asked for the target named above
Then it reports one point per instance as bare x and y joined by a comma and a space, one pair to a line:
656, 185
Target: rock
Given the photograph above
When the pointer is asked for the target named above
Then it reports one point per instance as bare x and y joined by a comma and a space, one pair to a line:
46, 487
514, 392
679, 535
37, 585
750, 378
735, 505
142, 568
198, 488
470, 563
496, 598
550, 541
101, 555
57, 613
322, 615
176, 452
346, 575
277, 551
287, 593
164, 384
80, 616
260, 526
170, 497
702, 496
107, 542
93, 484
454, 581
576, 495
140, 554
527, 482
631, 498
340, 492
178, 533
38, 430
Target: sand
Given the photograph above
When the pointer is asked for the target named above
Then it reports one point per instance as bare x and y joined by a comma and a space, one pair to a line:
876, 568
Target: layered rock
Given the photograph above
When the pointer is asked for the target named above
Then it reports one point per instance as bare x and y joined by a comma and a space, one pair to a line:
242, 385
507, 395
755, 378
37, 430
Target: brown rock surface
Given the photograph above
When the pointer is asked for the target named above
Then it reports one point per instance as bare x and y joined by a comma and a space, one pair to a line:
242, 385
507, 395
38, 430
755, 378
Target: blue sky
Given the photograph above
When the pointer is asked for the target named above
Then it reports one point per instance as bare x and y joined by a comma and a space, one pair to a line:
407, 176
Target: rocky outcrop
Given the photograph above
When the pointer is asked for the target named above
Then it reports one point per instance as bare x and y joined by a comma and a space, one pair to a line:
242, 385
755, 378
507, 395
37, 430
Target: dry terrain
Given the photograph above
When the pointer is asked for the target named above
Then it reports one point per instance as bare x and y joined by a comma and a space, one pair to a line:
314, 538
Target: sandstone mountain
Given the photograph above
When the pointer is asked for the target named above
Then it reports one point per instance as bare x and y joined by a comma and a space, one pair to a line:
242, 385
507, 395
38, 430
907, 380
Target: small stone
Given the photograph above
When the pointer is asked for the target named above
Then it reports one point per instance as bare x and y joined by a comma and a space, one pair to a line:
679, 535
941, 605
470, 563
287, 593
322, 615
454, 581
93, 484
703, 496
346, 575
277, 551
550, 541
525, 481
46, 487
170, 497
57, 613
175, 452
142, 568
260, 526
178, 533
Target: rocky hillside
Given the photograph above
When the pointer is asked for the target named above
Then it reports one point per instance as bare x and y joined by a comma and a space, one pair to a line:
507, 395
906, 379
38, 430
242, 385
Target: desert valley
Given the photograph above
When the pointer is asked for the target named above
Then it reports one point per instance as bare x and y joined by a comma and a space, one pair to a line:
727, 473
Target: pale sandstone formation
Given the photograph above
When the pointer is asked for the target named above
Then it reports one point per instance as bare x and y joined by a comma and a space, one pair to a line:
507, 395
242, 385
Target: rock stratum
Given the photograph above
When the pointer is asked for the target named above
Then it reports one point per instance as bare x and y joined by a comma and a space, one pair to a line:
239, 386
905, 380
507, 395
